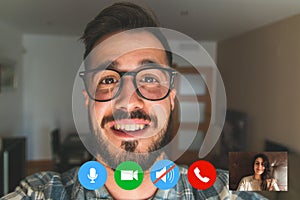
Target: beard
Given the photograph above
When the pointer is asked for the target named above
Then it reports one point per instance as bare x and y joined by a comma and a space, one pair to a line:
112, 155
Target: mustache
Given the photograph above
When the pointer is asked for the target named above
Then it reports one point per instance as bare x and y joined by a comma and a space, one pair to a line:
121, 115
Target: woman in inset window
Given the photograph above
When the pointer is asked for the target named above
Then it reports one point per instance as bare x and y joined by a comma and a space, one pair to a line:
261, 179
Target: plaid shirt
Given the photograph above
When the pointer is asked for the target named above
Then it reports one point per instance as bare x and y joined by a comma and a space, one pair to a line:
51, 185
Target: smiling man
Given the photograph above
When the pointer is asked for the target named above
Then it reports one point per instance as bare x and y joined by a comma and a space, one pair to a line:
130, 97
129, 94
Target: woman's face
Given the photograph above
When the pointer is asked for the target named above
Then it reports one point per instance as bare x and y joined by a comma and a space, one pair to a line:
259, 167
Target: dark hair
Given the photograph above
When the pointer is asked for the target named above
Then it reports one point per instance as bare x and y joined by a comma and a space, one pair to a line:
266, 174
120, 17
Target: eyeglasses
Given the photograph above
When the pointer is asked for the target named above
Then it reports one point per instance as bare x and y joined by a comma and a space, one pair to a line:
151, 82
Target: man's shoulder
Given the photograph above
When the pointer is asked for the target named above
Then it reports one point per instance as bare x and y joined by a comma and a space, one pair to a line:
46, 184
48, 178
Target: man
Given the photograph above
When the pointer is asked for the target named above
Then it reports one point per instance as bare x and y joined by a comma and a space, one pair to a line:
130, 98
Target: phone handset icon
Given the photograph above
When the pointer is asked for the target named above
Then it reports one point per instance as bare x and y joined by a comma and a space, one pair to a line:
197, 173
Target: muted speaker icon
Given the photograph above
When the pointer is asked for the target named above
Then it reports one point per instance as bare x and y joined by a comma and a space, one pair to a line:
169, 176
164, 174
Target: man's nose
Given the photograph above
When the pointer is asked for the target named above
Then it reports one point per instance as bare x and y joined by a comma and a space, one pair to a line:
129, 100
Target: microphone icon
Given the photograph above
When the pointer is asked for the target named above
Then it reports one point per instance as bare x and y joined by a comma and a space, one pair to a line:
92, 175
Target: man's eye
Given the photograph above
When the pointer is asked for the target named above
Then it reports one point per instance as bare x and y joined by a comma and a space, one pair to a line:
108, 80
149, 79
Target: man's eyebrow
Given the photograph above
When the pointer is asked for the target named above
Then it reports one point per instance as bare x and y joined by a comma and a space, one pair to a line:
149, 61
114, 64
106, 65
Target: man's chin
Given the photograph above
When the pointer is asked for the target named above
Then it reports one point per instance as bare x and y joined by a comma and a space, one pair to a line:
126, 150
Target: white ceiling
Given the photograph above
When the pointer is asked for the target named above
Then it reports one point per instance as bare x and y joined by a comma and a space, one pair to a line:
202, 19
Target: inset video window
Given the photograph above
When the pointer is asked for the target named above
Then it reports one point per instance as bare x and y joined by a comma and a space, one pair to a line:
258, 171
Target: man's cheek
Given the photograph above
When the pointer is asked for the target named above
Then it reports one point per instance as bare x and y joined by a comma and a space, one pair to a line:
97, 114
161, 114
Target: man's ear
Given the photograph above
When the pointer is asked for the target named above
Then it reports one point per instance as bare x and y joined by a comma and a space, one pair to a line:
172, 98
86, 98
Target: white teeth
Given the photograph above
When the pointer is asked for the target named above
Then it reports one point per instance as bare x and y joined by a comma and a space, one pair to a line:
132, 127
129, 127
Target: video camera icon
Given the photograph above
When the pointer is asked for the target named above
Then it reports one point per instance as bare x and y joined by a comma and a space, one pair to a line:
129, 175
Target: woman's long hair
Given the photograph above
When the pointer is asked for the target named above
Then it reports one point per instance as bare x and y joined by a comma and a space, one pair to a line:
266, 174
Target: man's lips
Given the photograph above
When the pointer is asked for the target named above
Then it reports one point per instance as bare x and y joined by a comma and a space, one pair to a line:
129, 125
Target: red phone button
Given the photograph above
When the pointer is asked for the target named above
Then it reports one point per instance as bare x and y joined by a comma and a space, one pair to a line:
202, 174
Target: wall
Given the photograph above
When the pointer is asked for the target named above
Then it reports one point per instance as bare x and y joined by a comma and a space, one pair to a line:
11, 100
50, 65
206, 57
261, 74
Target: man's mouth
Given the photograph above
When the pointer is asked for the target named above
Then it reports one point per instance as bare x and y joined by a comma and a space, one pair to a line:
129, 127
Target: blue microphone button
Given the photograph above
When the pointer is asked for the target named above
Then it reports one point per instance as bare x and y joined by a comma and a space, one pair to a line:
92, 175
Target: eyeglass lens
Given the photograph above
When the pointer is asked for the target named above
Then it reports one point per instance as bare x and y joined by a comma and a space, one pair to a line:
152, 84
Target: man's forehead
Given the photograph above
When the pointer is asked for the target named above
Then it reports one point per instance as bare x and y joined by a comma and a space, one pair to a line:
125, 43
135, 60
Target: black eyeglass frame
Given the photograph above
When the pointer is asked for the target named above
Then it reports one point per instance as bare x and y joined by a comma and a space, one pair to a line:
171, 72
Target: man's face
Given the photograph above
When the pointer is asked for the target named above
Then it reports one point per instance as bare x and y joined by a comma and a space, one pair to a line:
128, 127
